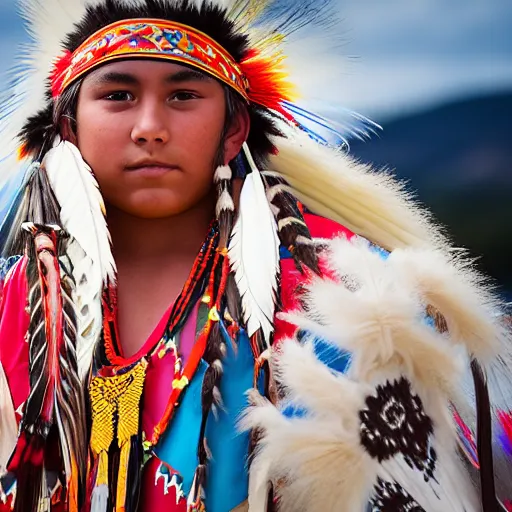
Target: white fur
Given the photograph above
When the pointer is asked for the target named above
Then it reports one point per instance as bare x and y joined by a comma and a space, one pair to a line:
454, 289
376, 318
316, 461
313, 456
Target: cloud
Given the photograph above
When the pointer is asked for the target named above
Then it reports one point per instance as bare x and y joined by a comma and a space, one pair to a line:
388, 86
412, 53
428, 27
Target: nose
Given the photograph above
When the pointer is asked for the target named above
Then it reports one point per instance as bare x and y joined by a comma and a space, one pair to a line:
151, 125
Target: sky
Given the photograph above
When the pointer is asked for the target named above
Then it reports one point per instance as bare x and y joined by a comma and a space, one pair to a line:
408, 54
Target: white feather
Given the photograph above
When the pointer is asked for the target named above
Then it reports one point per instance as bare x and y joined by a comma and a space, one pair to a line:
82, 208
254, 254
88, 308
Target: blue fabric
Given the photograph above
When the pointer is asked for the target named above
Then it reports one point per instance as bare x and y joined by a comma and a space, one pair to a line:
178, 446
227, 482
284, 253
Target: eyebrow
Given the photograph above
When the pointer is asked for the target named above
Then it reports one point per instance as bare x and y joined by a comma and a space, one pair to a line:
185, 75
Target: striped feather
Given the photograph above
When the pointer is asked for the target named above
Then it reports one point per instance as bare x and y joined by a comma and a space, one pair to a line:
56, 398
293, 231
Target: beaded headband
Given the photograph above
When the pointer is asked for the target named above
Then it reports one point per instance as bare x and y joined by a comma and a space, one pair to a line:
256, 78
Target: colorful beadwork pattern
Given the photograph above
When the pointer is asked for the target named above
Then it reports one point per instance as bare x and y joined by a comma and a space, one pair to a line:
154, 38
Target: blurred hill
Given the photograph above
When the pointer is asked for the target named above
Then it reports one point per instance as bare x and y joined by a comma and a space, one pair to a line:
458, 158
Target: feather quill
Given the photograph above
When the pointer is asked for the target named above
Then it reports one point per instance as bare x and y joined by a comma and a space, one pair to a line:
254, 254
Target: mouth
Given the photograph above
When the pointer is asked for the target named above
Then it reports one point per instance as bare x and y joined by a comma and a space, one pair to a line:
151, 169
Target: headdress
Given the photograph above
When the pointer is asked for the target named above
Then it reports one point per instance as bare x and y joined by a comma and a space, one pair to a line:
259, 50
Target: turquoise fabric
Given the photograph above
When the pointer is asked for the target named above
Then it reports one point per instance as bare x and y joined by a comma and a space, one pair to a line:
227, 482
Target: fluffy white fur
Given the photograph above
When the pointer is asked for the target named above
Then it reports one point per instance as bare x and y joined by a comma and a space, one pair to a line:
454, 288
313, 455
8, 424
374, 307
376, 318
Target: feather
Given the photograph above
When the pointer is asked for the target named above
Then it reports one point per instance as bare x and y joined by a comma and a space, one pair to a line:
88, 307
82, 208
92, 262
56, 396
324, 451
371, 204
458, 292
254, 254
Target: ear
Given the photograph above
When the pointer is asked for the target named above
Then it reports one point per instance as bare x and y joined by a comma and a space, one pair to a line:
66, 130
237, 134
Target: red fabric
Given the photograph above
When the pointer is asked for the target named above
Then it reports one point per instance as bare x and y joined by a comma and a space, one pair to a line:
14, 321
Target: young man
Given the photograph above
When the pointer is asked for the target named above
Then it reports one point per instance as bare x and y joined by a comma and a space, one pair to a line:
150, 365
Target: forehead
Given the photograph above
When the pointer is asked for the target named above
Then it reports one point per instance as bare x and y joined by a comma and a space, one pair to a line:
146, 70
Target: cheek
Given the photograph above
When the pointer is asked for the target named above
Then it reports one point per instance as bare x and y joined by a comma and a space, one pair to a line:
100, 139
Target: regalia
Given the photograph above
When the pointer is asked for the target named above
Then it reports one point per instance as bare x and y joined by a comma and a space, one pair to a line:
342, 355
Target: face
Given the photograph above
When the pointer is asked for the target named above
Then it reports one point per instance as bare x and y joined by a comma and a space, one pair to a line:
151, 132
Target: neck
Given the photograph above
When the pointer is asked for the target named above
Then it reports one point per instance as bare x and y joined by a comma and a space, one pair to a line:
137, 240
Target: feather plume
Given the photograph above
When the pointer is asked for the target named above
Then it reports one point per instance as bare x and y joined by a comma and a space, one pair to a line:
82, 208
457, 292
56, 396
89, 250
254, 254
370, 313
88, 307
371, 204
364, 308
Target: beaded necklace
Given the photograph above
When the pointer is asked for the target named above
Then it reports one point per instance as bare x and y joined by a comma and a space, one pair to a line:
116, 388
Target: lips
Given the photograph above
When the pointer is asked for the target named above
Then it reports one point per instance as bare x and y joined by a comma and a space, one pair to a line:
151, 168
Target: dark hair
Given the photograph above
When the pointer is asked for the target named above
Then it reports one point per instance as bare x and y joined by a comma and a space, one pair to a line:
39, 130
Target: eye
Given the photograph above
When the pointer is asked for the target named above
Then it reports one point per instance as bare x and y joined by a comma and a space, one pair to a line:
183, 96
119, 96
